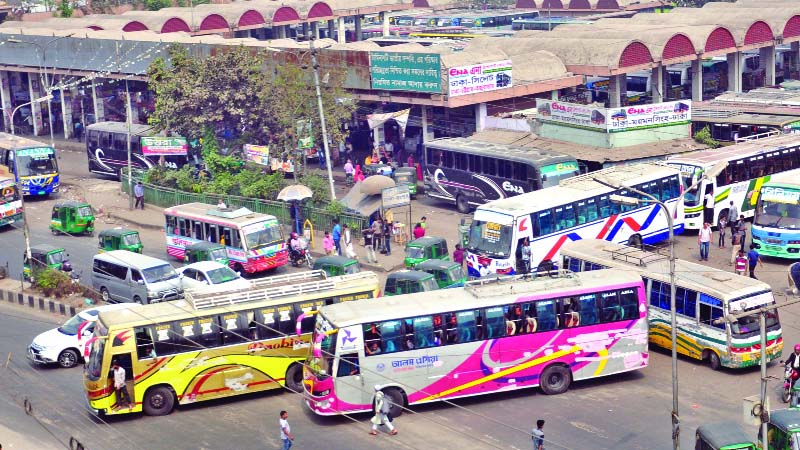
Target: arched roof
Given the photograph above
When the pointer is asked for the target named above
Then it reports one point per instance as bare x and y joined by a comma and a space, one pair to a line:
170, 21
320, 11
285, 15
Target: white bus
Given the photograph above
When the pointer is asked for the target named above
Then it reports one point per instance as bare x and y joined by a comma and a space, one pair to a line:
490, 336
750, 164
703, 295
578, 208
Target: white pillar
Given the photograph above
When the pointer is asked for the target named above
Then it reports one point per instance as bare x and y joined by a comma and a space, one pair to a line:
331, 29
735, 71
97, 103
357, 28
614, 90
697, 80
657, 84
35, 91
340, 31
480, 116
385, 20
425, 111
5, 99
277, 32
766, 59
66, 112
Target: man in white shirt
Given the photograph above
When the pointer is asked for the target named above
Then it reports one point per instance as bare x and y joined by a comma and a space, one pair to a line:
286, 431
119, 386
704, 239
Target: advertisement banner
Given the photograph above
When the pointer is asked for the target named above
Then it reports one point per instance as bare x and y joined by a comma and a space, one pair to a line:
615, 120
161, 145
478, 78
394, 197
418, 72
258, 154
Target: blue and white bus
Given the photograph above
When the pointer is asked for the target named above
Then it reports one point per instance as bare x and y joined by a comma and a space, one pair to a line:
776, 226
32, 163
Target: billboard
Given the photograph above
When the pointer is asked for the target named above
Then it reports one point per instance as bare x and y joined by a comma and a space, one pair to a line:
477, 78
418, 72
258, 154
614, 120
161, 145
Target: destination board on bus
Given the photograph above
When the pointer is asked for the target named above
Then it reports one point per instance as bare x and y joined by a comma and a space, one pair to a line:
164, 146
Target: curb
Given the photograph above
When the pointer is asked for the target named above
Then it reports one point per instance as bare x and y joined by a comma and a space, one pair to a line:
41, 303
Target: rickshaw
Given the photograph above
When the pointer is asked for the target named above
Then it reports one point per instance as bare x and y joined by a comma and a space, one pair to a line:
424, 248
206, 251
783, 430
722, 436
72, 217
407, 175
119, 239
408, 282
44, 256
337, 265
448, 274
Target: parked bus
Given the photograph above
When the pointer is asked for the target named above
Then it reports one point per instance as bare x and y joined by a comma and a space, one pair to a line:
546, 23
776, 226
107, 148
703, 295
489, 336
254, 242
10, 201
211, 346
578, 208
750, 165
32, 163
470, 173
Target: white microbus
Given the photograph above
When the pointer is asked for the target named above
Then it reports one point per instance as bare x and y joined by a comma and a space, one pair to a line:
578, 208
750, 164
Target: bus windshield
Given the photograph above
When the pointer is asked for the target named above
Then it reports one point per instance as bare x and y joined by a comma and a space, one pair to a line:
321, 365
490, 237
36, 161
261, 234
95, 364
749, 325
778, 208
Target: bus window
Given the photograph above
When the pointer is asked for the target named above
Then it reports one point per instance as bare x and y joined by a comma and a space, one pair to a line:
629, 302
183, 227
588, 309
685, 302
756, 166
120, 143
565, 217
610, 307
520, 171
710, 311
348, 365
738, 170
489, 166
626, 193
513, 318
144, 343
659, 295
495, 323
423, 332
171, 224
235, 327
544, 223
570, 315
163, 337
546, 315
606, 207
93, 137
448, 159
586, 211
264, 324
475, 164
286, 322
390, 336
105, 141
211, 232
461, 161
670, 188
466, 326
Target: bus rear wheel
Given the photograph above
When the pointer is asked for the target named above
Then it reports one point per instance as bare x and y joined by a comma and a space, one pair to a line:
555, 379
294, 378
462, 204
397, 399
158, 401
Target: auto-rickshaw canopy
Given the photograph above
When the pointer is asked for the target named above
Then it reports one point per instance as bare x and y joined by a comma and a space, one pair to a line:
721, 435
120, 239
335, 265
424, 248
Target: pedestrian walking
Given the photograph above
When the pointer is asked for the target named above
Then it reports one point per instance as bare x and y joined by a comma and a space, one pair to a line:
358, 175
349, 251
525, 255
735, 247
78, 130
368, 245
458, 255
418, 231
753, 259
327, 244
741, 228
337, 236
286, 431
538, 435
377, 234
349, 172
120, 388
138, 194
321, 157
733, 217
424, 222
723, 226
388, 230
740, 266
382, 408
704, 237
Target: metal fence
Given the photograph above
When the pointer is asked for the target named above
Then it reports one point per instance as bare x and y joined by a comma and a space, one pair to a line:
322, 219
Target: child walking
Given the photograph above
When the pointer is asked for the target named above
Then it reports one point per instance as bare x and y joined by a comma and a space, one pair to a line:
741, 263
723, 226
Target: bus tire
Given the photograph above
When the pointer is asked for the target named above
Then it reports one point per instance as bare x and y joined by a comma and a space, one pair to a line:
713, 360
239, 268
294, 378
398, 400
555, 379
158, 401
462, 204
68, 358
635, 241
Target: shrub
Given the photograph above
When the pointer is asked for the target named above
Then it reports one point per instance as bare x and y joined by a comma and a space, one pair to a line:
319, 186
55, 283
704, 137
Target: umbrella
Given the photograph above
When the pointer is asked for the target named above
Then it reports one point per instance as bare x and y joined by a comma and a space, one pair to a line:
294, 192
374, 184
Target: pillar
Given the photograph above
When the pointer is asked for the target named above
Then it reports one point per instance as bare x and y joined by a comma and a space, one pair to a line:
278, 32
357, 28
425, 112
35, 91
614, 87
385, 23
341, 36
97, 106
657, 84
734, 71
304, 28
794, 58
5, 99
697, 80
66, 111
134, 107
480, 116
331, 29
766, 59
554, 95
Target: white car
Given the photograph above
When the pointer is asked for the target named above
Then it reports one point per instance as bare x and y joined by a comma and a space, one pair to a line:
211, 276
66, 345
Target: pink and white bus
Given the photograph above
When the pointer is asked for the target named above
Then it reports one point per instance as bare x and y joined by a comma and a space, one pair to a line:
253, 241
490, 336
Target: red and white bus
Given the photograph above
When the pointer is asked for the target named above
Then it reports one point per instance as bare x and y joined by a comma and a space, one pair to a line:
490, 336
254, 241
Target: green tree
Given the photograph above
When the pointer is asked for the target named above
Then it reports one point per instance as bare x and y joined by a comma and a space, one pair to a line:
65, 8
704, 137
155, 5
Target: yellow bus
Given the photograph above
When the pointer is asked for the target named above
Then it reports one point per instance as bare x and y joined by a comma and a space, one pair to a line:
214, 345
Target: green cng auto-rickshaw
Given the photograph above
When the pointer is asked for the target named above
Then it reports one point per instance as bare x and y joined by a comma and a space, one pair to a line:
205, 251
424, 248
407, 175
783, 430
408, 282
448, 274
72, 217
119, 239
44, 256
335, 265
722, 436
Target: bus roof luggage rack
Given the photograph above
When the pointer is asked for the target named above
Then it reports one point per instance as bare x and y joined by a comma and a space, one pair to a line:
211, 300
636, 256
475, 286
289, 278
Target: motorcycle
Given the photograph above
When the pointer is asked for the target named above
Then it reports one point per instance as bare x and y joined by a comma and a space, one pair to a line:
790, 376
301, 256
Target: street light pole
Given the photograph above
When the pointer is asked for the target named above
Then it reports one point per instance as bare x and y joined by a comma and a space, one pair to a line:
14, 111
322, 115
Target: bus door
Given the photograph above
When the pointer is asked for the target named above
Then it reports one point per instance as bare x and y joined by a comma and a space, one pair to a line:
126, 362
350, 383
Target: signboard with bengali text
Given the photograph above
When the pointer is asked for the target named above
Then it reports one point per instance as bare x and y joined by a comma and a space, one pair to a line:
464, 80
394, 197
418, 72
613, 120
162, 145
